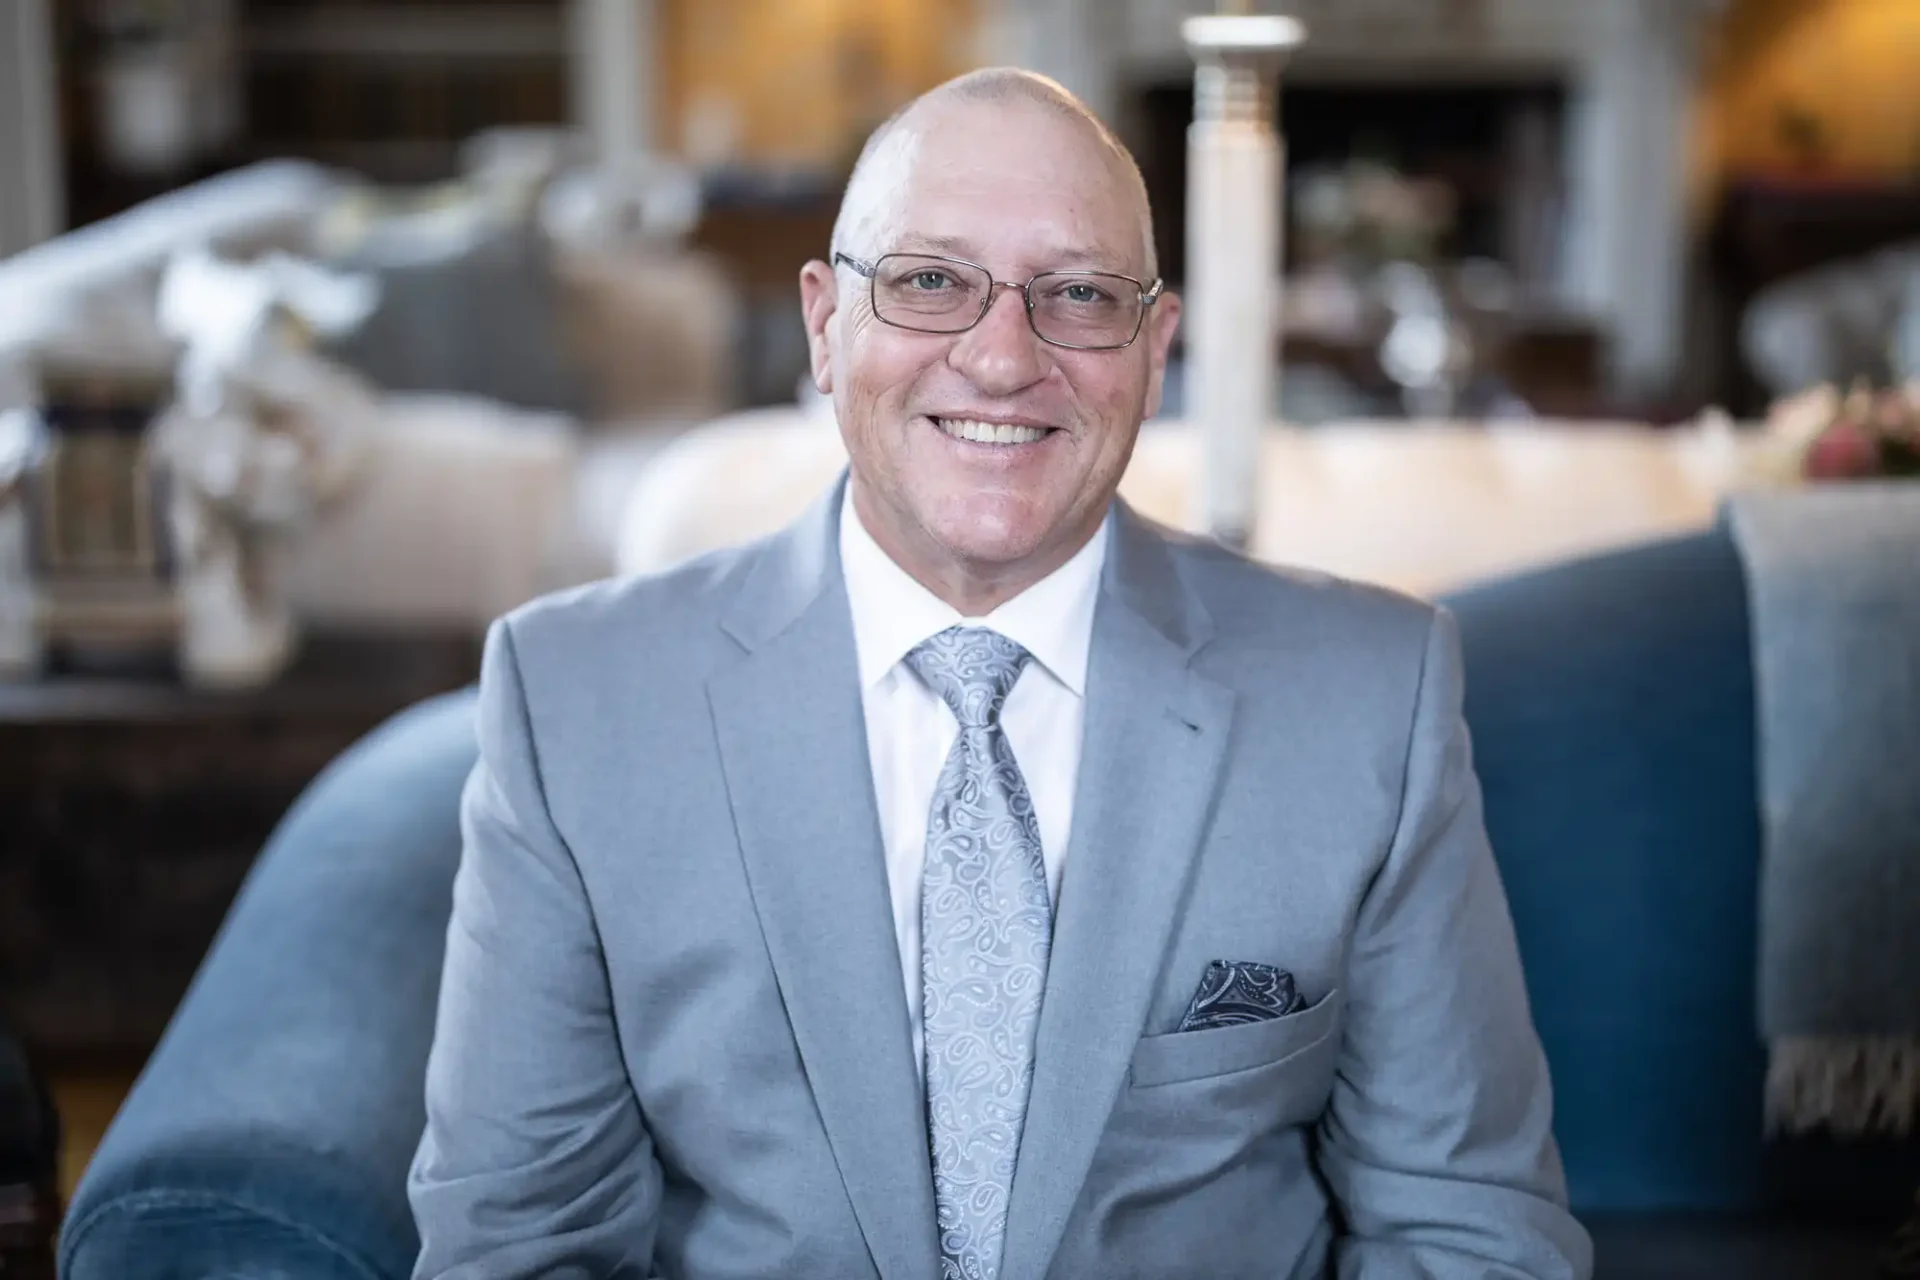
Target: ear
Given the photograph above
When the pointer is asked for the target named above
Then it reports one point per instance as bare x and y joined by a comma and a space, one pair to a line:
819, 299
1163, 318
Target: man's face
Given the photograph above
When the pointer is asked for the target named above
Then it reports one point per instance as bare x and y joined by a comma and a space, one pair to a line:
1019, 190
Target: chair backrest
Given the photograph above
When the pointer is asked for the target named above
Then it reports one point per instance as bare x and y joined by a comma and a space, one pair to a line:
1611, 704
272, 1128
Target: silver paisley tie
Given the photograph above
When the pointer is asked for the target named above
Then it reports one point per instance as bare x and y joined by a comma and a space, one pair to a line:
986, 926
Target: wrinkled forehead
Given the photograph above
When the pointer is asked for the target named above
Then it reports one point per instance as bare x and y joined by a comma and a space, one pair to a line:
1016, 186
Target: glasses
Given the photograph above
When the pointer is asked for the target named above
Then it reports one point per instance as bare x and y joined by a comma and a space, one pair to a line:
1079, 310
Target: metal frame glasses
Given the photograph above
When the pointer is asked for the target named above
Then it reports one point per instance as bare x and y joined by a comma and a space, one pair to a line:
1148, 295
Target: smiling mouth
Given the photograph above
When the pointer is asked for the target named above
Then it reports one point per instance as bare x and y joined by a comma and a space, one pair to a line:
977, 432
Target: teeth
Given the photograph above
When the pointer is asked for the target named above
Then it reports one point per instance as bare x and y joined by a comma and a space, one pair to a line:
989, 432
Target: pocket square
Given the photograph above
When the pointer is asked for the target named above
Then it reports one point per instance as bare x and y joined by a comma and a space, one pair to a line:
1235, 992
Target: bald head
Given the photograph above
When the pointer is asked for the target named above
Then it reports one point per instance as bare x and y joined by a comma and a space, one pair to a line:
987, 427
967, 111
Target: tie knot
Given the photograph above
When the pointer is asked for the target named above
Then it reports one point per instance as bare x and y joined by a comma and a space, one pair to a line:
972, 669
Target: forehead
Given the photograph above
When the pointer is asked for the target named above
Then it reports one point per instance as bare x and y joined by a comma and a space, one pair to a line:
1014, 185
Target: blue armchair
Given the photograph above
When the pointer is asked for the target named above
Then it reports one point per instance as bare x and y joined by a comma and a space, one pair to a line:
1611, 702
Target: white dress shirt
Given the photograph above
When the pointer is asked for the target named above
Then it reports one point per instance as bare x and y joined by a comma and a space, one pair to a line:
910, 729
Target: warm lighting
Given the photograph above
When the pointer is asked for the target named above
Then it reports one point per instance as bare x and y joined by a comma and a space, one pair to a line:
1252, 33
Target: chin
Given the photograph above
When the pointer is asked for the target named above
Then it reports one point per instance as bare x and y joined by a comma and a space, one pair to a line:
993, 531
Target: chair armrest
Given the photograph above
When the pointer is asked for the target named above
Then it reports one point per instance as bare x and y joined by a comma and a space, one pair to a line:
271, 1131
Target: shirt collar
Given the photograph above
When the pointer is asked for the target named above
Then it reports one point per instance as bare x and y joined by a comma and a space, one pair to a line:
892, 613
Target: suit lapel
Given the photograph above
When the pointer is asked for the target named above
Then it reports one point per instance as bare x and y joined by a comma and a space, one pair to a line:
1155, 739
793, 747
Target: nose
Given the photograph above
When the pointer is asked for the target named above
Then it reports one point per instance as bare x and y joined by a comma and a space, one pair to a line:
1002, 354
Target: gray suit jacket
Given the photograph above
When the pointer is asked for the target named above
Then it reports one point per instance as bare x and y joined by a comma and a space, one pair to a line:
672, 1038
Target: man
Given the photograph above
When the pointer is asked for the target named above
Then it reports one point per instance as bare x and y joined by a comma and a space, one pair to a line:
972, 880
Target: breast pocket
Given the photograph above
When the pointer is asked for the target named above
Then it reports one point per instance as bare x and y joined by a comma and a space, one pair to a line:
1222, 1051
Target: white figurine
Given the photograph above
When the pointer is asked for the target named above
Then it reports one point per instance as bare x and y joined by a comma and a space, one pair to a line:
260, 435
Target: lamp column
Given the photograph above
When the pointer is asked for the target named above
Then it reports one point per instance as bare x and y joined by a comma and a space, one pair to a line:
1234, 174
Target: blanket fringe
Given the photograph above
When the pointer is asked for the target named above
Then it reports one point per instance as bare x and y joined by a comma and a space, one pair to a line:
1849, 1085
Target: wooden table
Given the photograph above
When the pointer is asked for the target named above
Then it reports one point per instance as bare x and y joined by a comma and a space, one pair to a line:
131, 809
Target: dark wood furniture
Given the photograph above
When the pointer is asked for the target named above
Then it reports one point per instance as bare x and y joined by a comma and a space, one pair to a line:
131, 809
29, 1160
389, 91
763, 228
1770, 228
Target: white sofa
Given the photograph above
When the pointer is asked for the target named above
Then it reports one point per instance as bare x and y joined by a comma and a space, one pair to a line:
1419, 506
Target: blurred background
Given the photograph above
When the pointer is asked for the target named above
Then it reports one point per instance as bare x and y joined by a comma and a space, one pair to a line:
331, 329
1631, 176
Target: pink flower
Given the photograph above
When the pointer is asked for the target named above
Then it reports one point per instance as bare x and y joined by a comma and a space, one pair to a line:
1846, 450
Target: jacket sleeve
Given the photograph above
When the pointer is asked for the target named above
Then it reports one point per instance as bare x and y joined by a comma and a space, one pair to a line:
1438, 1142
534, 1161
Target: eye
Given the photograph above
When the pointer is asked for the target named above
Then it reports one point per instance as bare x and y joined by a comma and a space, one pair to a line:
1083, 294
929, 279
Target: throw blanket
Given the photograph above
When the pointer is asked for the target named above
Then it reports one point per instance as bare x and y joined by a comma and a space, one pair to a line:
1833, 576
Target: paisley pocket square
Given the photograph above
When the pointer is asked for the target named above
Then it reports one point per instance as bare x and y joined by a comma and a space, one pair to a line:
1235, 992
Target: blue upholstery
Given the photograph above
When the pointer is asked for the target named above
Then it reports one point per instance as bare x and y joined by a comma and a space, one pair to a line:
270, 1133
1611, 703
1718, 1247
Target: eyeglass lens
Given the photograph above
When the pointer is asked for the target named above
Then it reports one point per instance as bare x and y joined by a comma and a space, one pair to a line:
940, 295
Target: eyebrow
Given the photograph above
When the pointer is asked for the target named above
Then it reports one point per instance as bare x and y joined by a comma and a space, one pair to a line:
1097, 257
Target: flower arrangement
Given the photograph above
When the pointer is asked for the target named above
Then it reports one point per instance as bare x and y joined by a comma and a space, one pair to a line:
1865, 433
